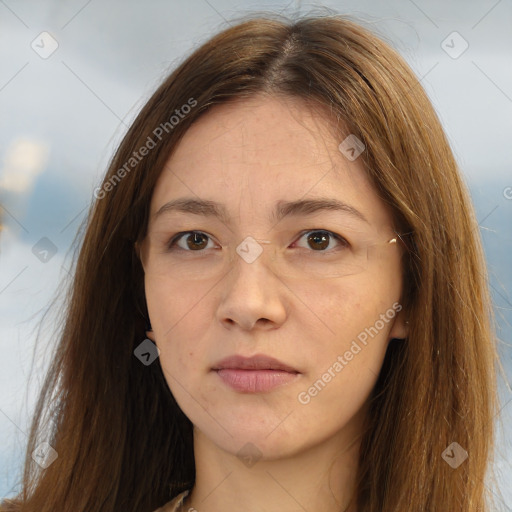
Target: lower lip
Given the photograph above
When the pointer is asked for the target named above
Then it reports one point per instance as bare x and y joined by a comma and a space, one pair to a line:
255, 381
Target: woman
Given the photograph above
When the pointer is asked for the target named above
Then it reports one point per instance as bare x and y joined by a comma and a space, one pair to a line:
280, 301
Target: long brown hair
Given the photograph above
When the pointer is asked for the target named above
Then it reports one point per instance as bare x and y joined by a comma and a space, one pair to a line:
122, 441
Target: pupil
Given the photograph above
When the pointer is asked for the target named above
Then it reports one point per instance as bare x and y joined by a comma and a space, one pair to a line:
318, 239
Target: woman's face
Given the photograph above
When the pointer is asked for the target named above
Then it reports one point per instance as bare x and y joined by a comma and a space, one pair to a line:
325, 307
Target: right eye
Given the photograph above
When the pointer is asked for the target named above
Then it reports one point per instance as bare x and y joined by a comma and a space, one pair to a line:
190, 241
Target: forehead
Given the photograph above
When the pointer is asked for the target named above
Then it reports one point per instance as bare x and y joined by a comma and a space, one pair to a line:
251, 154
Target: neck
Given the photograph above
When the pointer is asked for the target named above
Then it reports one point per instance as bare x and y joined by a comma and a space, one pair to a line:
321, 477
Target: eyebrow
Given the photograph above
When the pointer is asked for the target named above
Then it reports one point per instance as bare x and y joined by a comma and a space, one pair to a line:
283, 209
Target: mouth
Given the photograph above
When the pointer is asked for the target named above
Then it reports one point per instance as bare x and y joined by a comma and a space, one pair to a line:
257, 374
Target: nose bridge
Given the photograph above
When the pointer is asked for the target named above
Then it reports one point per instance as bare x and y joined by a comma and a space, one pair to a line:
249, 294
255, 270
249, 255
251, 249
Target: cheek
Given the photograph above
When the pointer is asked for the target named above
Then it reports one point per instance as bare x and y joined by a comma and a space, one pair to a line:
347, 363
178, 317
340, 305
171, 303
351, 313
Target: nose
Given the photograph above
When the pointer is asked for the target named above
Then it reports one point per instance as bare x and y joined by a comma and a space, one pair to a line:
252, 295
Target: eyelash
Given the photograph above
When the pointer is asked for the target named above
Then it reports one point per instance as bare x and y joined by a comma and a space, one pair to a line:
172, 242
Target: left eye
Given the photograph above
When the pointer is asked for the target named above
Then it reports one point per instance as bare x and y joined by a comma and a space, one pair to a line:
320, 239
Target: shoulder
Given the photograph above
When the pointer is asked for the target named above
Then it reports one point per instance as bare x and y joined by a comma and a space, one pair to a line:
172, 506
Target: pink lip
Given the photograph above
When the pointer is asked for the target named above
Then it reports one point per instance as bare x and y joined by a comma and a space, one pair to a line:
255, 374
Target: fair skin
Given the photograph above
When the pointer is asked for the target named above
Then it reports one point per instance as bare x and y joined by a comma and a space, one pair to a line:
248, 156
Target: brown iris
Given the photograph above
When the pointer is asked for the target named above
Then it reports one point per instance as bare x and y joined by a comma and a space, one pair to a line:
199, 241
318, 239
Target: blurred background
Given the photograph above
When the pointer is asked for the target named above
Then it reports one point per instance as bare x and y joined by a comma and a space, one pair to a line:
74, 74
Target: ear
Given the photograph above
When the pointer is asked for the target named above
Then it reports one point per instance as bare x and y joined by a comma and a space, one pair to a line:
151, 336
400, 329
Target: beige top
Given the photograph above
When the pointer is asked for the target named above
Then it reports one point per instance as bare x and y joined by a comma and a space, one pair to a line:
175, 505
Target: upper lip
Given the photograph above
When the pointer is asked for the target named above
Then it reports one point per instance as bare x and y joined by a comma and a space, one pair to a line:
257, 362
